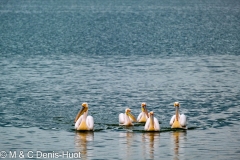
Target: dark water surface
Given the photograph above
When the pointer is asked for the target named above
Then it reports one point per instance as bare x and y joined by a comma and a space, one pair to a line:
56, 54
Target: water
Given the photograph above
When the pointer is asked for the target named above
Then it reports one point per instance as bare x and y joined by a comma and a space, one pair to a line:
56, 55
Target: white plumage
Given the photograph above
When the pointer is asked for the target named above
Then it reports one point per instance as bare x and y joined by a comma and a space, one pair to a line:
178, 120
152, 123
84, 122
143, 116
126, 118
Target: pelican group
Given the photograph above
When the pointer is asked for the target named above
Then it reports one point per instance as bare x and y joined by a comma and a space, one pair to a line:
178, 120
83, 122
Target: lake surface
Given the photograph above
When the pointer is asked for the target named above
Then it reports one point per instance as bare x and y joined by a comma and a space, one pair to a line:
55, 55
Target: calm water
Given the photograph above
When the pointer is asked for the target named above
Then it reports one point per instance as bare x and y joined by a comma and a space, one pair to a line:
56, 54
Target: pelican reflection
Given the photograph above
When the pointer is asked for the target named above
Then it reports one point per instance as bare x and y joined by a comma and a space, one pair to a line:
146, 145
126, 143
178, 138
81, 142
150, 143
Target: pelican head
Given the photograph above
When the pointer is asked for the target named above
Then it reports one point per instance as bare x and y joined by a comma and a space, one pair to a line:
176, 104
144, 104
82, 111
151, 113
129, 114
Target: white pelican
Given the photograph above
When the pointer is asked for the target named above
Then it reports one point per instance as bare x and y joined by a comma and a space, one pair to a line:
125, 119
143, 116
82, 121
152, 123
177, 120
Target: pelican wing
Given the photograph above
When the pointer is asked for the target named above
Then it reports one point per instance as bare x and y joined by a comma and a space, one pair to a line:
90, 122
78, 122
139, 116
147, 124
156, 124
121, 118
183, 120
172, 120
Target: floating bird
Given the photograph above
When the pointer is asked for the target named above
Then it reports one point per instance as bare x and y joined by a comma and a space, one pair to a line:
152, 123
177, 120
127, 118
143, 116
83, 122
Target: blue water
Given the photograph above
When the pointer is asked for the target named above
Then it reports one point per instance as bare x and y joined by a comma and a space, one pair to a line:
55, 55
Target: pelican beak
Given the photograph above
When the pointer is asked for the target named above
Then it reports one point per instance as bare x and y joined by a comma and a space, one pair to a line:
151, 127
132, 116
84, 109
145, 110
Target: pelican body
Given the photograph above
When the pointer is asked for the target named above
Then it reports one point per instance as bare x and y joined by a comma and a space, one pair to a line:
83, 122
143, 116
126, 118
152, 123
177, 120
